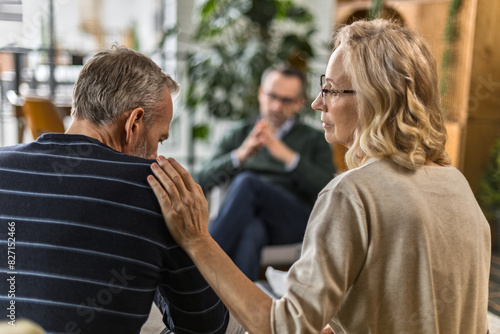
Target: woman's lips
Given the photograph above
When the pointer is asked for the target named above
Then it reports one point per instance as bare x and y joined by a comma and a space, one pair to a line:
326, 125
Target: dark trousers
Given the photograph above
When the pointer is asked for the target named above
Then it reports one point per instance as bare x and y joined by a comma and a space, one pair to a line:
254, 214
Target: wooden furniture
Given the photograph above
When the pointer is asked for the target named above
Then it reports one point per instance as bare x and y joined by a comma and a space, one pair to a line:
42, 116
63, 109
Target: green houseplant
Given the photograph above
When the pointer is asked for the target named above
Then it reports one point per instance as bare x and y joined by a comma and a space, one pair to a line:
489, 185
239, 39
489, 192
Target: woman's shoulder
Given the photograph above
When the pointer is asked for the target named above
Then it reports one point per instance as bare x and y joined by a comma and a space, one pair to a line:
356, 175
378, 175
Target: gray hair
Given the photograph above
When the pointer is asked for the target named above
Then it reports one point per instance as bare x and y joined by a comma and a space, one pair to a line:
117, 80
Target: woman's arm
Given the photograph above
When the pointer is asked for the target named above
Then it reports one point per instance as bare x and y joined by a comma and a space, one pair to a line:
185, 211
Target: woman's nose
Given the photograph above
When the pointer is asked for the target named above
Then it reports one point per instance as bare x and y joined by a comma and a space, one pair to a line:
317, 104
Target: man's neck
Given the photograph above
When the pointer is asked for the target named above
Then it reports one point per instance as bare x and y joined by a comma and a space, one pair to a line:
285, 127
105, 134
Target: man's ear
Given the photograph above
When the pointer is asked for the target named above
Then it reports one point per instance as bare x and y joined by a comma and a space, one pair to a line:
134, 123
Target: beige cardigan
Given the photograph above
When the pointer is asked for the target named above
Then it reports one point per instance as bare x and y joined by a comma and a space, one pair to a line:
390, 250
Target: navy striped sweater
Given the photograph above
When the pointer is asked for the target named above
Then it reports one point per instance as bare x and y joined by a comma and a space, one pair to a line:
83, 245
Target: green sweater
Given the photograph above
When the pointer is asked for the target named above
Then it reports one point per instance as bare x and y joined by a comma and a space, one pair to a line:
314, 170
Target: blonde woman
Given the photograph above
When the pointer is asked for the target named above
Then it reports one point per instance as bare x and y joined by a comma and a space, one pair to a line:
397, 244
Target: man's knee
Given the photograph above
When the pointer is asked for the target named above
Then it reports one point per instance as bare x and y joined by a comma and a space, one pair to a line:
246, 180
256, 234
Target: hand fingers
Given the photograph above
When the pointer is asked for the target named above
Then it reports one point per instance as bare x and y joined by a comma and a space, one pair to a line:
259, 127
173, 176
260, 124
168, 185
256, 144
191, 185
159, 191
268, 131
184, 174
265, 138
187, 190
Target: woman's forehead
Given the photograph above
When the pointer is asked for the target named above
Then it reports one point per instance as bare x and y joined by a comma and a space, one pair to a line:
335, 71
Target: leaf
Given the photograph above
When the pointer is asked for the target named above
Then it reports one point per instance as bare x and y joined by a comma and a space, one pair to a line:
219, 15
262, 13
201, 131
165, 34
489, 185
208, 8
299, 14
240, 39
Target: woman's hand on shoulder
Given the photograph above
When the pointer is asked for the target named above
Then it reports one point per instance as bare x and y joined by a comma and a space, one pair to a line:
182, 202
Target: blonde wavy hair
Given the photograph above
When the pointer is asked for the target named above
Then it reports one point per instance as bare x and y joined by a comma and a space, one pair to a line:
394, 74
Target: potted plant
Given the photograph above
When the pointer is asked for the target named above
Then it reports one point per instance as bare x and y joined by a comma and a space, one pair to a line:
237, 40
489, 191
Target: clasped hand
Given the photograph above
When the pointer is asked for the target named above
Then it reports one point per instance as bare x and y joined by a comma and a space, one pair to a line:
263, 135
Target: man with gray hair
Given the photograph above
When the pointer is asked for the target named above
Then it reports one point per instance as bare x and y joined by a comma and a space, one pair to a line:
91, 249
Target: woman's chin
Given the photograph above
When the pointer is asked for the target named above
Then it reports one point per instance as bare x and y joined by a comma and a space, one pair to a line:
330, 135
330, 139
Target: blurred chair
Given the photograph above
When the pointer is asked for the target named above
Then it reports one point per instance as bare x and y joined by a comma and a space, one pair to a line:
42, 116
17, 107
